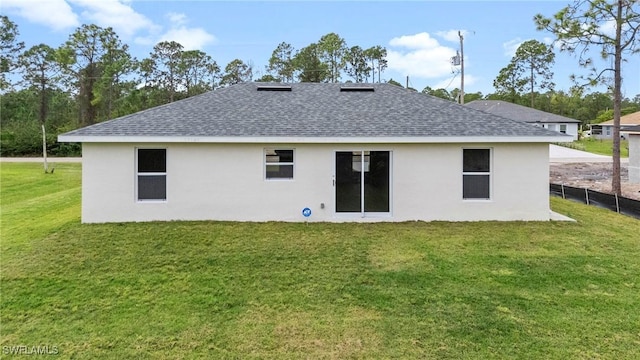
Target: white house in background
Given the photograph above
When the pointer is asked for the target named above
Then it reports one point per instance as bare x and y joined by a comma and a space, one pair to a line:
604, 130
634, 154
529, 115
313, 152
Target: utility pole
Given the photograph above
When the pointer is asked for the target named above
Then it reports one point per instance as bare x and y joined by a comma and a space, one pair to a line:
461, 68
407, 81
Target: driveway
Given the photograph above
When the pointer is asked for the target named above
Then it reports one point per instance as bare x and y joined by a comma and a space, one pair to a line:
561, 154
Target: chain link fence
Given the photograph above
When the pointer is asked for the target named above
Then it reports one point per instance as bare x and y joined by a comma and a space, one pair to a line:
614, 202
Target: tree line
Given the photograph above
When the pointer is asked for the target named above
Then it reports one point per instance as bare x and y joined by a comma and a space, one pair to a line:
93, 77
528, 80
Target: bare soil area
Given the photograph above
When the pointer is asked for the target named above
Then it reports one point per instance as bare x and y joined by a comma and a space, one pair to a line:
594, 176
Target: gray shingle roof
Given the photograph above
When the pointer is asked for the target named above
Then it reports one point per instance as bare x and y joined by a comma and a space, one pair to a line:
518, 112
311, 110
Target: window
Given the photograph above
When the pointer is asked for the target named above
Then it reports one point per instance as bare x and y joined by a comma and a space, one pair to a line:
362, 182
476, 174
278, 164
152, 174
563, 128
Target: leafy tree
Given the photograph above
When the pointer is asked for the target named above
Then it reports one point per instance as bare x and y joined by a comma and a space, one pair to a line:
309, 66
146, 69
581, 26
607, 115
21, 130
236, 72
194, 69
468, 97
393, 82
529, 67
166, 56
40, 72
116, 64
507, 84
83, 57
356, 64
439, 93
534, 59
281, 63
594, 103
9, 49
214, 74
377, 56
268, 78
332, 50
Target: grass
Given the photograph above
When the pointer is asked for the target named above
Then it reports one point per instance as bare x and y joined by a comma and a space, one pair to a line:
333, 291
602, 147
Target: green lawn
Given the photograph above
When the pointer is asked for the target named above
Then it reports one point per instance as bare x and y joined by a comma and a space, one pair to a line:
334, 291
602, 147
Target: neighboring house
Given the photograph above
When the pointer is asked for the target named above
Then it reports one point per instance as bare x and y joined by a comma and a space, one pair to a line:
634, 154
529, 115
353, 152
604, 130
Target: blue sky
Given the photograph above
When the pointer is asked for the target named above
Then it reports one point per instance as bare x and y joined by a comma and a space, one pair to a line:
420, 36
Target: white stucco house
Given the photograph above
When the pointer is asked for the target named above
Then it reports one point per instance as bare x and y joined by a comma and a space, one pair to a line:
314, 152
634, 154
553, 122
604, 130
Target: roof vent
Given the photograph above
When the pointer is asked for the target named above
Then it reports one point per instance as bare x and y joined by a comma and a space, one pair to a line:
274, 87
357, 88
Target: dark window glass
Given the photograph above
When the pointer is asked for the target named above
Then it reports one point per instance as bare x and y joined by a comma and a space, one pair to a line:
350, 178
476, 160
476, 178
152, 160
279, 171
475, 187
348, 182
279, 164
376, 182
280, 156
152, 187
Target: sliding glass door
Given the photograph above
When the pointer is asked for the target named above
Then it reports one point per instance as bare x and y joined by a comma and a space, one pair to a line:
362, 181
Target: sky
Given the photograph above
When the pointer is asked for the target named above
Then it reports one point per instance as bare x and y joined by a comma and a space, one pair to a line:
420, 36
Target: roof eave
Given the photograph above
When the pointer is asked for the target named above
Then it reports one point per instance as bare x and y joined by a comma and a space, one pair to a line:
314, 140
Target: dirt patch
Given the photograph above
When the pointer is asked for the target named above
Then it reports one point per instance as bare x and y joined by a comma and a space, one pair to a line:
594, 176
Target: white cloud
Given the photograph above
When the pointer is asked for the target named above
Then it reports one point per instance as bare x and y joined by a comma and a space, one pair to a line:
608, 28
422, 56
452, 35
417, 41
511, 46
177, 19
116, 14
190, 38
55, 14
59, 14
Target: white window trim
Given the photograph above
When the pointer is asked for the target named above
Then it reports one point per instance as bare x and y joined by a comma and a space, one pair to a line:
138, 174
264, 164
490, 173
